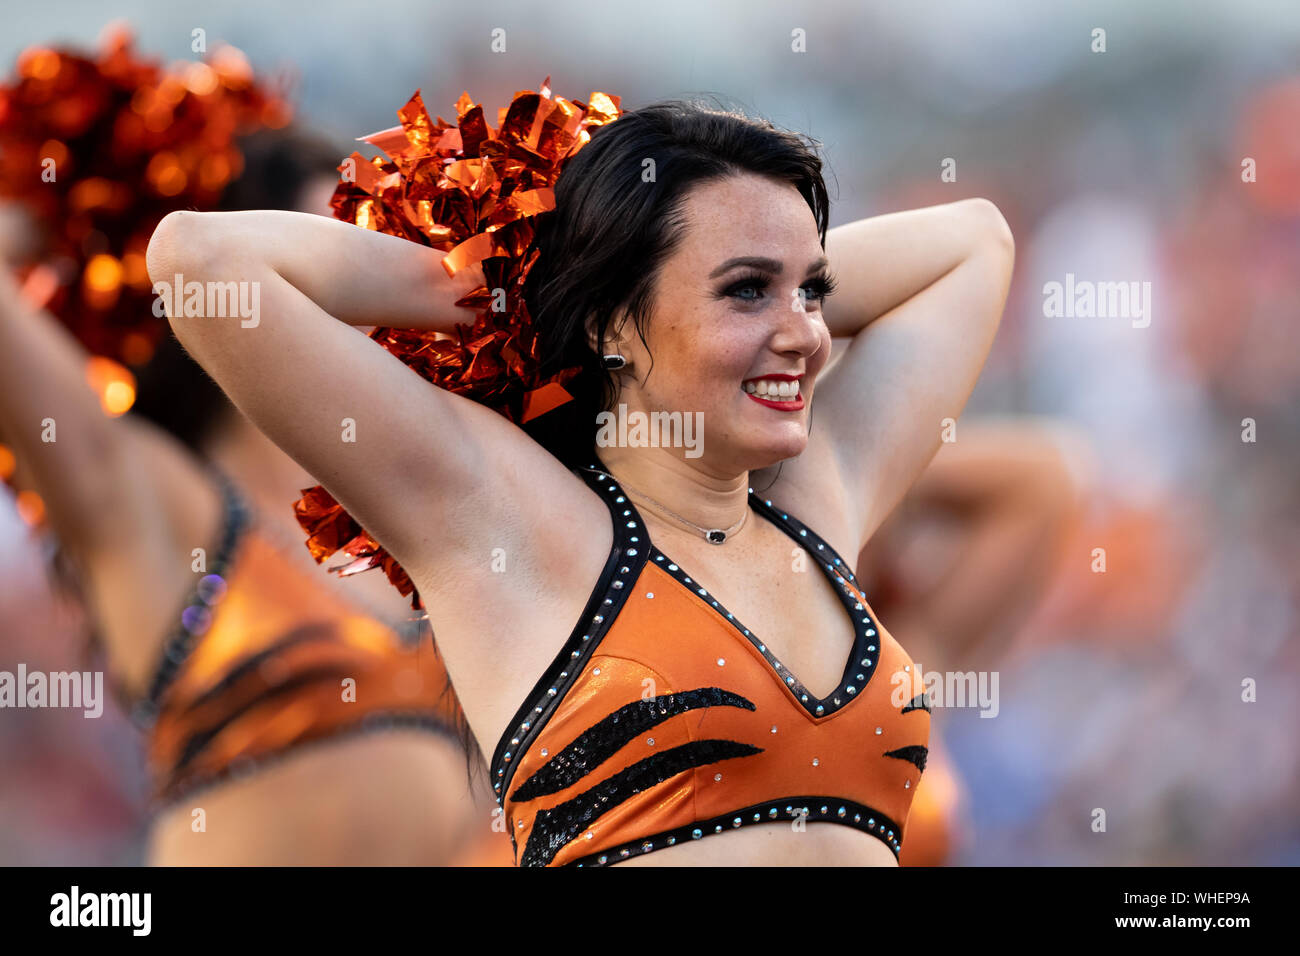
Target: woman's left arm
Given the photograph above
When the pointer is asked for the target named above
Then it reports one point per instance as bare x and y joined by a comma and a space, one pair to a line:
921, 294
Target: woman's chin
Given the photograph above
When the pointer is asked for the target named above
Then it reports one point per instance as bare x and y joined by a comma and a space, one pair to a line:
766, 450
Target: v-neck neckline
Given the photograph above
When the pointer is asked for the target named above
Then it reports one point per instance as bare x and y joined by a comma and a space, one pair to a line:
863, 656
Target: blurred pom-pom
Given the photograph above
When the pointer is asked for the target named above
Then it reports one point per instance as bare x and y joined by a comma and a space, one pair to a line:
97, 147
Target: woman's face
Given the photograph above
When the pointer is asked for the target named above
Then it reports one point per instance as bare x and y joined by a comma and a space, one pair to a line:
719, 325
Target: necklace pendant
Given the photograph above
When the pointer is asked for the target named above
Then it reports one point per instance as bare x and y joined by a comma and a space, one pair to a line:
716, 537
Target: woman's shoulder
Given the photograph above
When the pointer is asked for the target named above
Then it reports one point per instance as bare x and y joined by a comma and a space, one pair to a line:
811, 487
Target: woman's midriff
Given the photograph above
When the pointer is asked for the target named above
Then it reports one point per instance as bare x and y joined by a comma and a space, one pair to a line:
817, 844
372, 799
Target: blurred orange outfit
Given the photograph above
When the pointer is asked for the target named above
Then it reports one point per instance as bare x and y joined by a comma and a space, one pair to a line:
267, 660
939, 826
665, 719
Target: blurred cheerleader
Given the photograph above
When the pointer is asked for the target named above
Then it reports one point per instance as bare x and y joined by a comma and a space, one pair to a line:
959, 566
252, 670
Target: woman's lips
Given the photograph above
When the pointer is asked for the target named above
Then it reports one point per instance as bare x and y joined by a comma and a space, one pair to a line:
793, 406
781, 403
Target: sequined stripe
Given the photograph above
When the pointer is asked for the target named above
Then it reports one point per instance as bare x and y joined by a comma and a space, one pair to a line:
919, 702
914, 754
784, 810
626, 558
556, 827
179, 788
197, 741
179, 715
195, 613
316, 632
313, 681
597, 744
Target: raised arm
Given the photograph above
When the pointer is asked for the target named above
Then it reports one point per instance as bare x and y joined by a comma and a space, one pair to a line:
127, 503
921, 295
386, 443
68, 448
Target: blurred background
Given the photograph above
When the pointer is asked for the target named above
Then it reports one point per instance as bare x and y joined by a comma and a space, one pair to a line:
1120, 690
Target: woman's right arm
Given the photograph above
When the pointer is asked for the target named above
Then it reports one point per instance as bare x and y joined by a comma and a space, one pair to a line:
70, 451
406, 458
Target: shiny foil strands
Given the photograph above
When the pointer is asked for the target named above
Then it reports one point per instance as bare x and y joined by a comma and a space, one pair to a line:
472, 191
97, 147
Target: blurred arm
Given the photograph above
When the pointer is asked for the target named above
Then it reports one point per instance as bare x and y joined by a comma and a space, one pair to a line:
1013, 496
43, 371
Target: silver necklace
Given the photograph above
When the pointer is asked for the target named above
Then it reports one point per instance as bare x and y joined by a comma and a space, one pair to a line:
711, 535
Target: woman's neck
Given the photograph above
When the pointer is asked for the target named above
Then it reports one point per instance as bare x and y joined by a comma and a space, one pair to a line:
704, 497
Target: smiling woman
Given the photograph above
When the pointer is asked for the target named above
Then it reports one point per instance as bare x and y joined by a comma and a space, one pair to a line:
686, 267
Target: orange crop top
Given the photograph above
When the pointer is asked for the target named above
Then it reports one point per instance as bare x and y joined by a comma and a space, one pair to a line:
665, 719
258, 667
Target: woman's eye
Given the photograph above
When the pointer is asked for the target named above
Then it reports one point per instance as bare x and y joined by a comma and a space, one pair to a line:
739, 290
754, 289
818, 289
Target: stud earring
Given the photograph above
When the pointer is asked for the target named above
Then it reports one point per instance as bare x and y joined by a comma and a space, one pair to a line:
613, 362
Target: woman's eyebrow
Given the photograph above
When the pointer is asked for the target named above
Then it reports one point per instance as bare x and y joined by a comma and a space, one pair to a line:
763, 264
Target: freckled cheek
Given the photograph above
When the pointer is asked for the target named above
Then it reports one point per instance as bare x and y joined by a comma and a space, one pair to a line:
705, 360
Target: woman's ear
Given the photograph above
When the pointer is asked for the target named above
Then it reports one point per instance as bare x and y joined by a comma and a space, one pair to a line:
590, 327
615, 335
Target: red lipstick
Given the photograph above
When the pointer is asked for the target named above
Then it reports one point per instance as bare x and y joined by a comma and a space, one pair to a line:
793, 406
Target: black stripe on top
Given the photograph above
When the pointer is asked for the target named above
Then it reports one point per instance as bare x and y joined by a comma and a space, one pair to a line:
601, 741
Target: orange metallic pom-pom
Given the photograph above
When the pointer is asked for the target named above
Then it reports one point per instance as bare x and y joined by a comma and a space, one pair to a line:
97, 148
472, 191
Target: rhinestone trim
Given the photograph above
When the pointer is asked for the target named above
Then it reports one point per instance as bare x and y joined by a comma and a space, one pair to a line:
622, 568
819, 809
861, 663
235, 521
